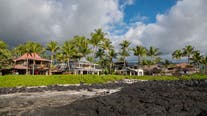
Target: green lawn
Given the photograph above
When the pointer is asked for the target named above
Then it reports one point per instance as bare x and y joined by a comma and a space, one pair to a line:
39, 80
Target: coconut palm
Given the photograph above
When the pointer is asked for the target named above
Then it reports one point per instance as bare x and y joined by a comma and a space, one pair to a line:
111, 54
107, 45
68, 50
100, 53
188, 52
166, 63
177, 54
153, 52
124, 50
3, 45
33, 47
82, 46
204, 62
196, 58
5, 55
29, 48
90, 58
139, 51
146, 62
52, 47
61, 57
96, 38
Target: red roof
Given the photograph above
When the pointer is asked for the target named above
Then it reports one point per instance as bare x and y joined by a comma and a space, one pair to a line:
31, 56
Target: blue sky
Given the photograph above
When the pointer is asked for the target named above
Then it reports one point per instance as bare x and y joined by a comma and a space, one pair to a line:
164, 24
148, 9
144, 11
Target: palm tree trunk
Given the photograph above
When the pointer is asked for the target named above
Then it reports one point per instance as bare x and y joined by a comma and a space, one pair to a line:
94, 53
138, 63
27, 71
51, 64
68, 64
111, 63
51, 61
33, 68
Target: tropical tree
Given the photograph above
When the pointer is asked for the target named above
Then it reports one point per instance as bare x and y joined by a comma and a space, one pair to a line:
100, 54
68, 49
90, 58
188, 52
111, 54
52, 47
34, 48
146, 62
124, 50
96, 38
177, 54
166, 63
204, 62
29, 48
140, 52
5, 55
153, 52
81, 46
3, 45
61, 57
196, 58
107, 45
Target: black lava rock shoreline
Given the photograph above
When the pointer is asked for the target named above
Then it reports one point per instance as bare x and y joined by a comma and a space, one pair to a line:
148, 98
62, 88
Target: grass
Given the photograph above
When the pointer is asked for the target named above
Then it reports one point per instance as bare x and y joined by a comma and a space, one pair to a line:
40, 80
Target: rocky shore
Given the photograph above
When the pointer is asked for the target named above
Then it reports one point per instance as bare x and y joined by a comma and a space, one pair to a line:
110, 85
161, 98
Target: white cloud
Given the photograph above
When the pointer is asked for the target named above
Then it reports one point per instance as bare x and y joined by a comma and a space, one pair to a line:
44, 20
185, 23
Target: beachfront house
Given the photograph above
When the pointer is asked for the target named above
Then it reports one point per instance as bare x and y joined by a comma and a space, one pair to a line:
77, 67
31, 63
128, 69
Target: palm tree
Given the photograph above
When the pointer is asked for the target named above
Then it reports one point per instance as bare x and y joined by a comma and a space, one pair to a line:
204, 62
107, 45
196, 58
90, 58
82, 46
112, 54
33, 47
100, 54
124, 50
29, 48
177, 54
5, 55
166, 63
61, 57
188, 51
96, 38
68, 50
153, 52
146, 62
52, 47
103, 60
3, 45
139, 51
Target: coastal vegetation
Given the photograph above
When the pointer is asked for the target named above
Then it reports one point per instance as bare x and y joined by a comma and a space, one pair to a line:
97, 49
42, 80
